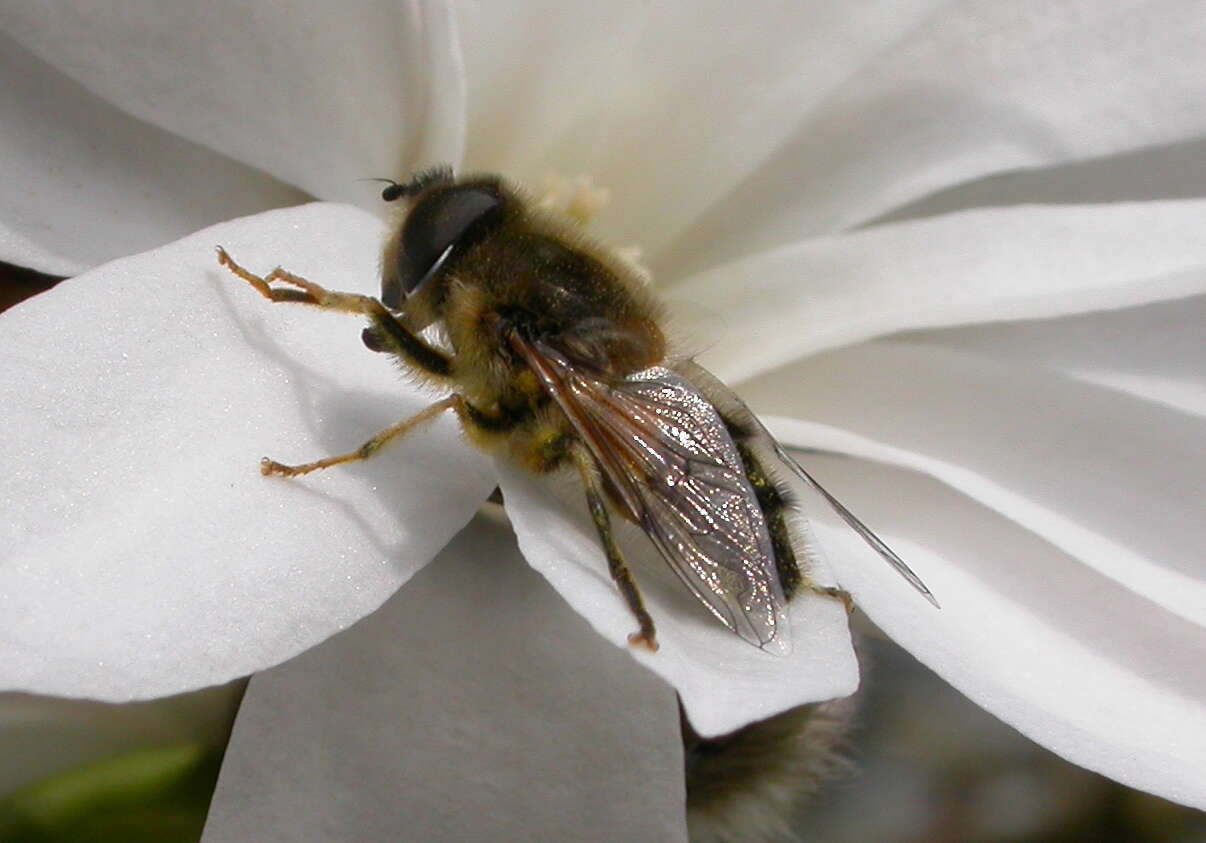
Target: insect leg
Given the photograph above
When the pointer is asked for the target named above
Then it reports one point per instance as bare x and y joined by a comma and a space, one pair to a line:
369, 448
832, 591
646, 636
387, 333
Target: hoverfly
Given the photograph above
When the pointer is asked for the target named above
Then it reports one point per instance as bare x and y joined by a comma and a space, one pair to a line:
557, 359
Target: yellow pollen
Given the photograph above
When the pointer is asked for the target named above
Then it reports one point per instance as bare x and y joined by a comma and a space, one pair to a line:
580, 199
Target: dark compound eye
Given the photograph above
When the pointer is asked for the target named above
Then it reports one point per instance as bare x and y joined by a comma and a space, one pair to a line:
433, 231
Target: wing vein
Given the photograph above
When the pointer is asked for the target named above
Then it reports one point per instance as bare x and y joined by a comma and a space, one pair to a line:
671, 461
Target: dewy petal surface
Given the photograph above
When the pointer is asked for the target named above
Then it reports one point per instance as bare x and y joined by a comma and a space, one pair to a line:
85, 183
310, 94
974, 88
723, 681
974, 266
1077, 662
475, 705
1115, 481
143, 552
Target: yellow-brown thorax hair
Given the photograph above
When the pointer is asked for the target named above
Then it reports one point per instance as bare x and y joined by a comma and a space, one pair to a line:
513, 267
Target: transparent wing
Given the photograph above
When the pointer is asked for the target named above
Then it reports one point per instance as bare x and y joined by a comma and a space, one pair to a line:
718, 392
668, 456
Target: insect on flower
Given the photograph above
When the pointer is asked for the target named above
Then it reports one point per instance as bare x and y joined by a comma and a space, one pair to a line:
557, 358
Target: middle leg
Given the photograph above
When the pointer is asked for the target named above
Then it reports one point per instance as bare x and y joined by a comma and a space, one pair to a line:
369, 448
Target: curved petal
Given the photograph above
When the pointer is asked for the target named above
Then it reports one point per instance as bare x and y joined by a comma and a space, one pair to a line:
310, 94
723, 681
1073, 660
142, 552
975, 266
973, 89
44, 736
1169, 171
1114, 481
669, 105
1155, 351
85, 183
540, 729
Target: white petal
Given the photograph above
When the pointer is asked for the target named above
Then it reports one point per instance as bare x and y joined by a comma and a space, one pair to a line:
976, 266
669, 105
1111, 480
1080, 664
143, 553
1173, 171
310, 94
973, 89
1155, 351
44, 736
724, 682
85, 183
473, 706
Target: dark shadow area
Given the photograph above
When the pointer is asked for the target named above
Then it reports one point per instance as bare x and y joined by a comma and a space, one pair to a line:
17, 283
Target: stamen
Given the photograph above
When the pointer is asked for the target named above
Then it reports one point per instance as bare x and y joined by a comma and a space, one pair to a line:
580, 199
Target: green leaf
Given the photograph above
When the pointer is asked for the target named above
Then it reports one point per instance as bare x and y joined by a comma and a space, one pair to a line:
159, 794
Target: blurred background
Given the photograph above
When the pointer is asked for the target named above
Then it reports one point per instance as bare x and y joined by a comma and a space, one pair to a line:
932, 766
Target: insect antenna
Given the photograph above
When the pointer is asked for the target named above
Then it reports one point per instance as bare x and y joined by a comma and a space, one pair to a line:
439, 174
393, 190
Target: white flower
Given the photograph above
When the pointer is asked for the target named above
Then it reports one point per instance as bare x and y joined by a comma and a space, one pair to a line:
1042, 473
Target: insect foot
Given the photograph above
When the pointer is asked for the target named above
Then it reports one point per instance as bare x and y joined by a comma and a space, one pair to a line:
838, 594
640, 639
269, 467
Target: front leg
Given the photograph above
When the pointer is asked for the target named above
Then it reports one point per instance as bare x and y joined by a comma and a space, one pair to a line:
388, 334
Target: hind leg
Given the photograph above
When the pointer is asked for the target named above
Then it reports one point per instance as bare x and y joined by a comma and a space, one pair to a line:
646, 635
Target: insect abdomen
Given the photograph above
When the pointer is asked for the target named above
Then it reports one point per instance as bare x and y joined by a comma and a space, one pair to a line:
774, 503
